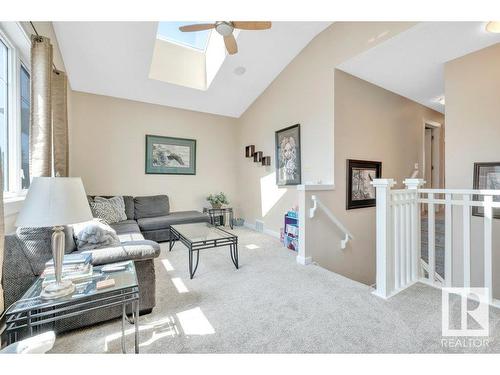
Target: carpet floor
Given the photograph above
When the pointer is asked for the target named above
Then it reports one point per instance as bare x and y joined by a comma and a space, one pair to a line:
273, 305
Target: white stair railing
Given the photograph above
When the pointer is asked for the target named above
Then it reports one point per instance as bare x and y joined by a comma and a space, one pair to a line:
312, 212
399, 261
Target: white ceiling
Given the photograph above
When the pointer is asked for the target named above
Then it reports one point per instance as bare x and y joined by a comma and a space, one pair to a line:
114, 59
411, 64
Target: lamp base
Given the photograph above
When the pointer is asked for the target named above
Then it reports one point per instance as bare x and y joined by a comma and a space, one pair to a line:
58, 290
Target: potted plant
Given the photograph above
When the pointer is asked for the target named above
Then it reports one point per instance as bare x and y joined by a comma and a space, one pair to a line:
217, 200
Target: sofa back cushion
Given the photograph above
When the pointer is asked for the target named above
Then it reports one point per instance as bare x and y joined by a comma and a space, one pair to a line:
151, 206
37, 245
127, 199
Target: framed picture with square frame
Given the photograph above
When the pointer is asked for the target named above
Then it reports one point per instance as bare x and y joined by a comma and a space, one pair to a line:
169, 155
486, 177
360, 191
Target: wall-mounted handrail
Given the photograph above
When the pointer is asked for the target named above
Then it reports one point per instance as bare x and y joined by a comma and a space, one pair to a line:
312, 212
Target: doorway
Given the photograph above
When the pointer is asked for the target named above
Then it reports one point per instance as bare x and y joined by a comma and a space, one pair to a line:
433, 168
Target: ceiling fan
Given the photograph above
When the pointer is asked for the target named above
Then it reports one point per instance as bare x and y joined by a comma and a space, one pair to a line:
225, 28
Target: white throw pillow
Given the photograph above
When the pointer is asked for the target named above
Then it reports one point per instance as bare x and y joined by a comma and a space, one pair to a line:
110, 210
94, 234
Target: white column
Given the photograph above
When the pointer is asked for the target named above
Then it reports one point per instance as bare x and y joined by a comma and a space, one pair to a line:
384, 252
303, 257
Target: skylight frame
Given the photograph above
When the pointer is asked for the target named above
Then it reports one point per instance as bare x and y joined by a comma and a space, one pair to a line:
184, 44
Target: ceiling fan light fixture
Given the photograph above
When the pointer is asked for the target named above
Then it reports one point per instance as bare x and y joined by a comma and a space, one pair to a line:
224, 28
493, 27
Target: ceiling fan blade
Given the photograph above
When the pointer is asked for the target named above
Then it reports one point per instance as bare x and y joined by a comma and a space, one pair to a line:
197, 27
252, 25
230, 43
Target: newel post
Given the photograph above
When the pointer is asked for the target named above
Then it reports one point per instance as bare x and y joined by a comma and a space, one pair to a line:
413, 184
384, 251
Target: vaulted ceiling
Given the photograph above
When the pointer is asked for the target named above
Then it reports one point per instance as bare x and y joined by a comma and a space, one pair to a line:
114, 59
412, 63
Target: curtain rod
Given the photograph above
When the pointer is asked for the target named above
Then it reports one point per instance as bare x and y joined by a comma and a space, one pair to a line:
36, 32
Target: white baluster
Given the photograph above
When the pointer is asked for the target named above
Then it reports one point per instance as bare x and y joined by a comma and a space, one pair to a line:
397, 251
488, 267
448, 238
466, 240
431, 239
401, 230
413, 184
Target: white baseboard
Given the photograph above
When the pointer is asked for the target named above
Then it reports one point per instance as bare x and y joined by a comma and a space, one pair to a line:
304, 261
269, 232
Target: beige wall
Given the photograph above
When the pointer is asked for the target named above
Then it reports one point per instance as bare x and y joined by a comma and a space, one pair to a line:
365, 121
108, 148
303, 93
472, 86
370, 124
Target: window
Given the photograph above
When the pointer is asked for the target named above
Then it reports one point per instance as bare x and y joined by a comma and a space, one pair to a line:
4, 134
25, 128
170, 31
14, 119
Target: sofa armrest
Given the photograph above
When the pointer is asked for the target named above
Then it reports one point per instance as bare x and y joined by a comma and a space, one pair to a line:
134, 250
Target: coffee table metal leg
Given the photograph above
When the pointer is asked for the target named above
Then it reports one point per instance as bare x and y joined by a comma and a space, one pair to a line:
232, 254
171, 241
236, 255
233, 249
192, 269
123, 327
136, 326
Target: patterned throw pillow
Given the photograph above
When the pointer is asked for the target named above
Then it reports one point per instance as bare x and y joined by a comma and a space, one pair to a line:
110, 210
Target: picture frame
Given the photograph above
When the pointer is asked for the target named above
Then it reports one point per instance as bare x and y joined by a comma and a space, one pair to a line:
170, 155
288, 159
360, 192
486, 177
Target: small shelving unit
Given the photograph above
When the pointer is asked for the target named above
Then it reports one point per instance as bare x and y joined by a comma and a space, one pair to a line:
290, 232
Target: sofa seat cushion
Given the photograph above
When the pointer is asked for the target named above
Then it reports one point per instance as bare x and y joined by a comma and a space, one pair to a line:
151, 206
133, 250
125, 227
179, 217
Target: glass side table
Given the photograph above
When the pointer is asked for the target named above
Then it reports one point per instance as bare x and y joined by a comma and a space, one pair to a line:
220, 216
31, 313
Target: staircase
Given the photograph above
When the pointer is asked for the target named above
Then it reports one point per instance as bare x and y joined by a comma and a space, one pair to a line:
439, 246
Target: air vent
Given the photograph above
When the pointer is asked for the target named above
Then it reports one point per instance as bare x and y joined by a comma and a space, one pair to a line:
259, 225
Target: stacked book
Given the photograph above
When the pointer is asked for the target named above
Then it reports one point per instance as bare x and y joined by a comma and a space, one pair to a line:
76, 267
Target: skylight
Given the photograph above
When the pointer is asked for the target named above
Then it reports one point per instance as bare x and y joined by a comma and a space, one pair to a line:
170, 31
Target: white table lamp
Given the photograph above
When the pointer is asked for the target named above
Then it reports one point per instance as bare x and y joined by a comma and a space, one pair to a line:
54, 202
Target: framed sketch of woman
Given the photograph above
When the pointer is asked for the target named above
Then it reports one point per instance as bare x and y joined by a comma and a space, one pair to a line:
288, 170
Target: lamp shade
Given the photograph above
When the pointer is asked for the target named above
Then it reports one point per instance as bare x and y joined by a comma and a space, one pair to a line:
54, 201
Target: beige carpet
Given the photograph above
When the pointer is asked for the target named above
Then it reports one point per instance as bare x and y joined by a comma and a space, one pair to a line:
272, 305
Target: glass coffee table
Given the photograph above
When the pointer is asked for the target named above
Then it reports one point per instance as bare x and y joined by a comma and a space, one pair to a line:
31, 314
202, 236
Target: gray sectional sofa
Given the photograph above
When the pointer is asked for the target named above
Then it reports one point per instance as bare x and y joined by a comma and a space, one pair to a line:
148, 222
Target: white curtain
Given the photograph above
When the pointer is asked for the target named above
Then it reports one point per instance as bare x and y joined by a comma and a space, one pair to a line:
60, 123
41, 107
49, 116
